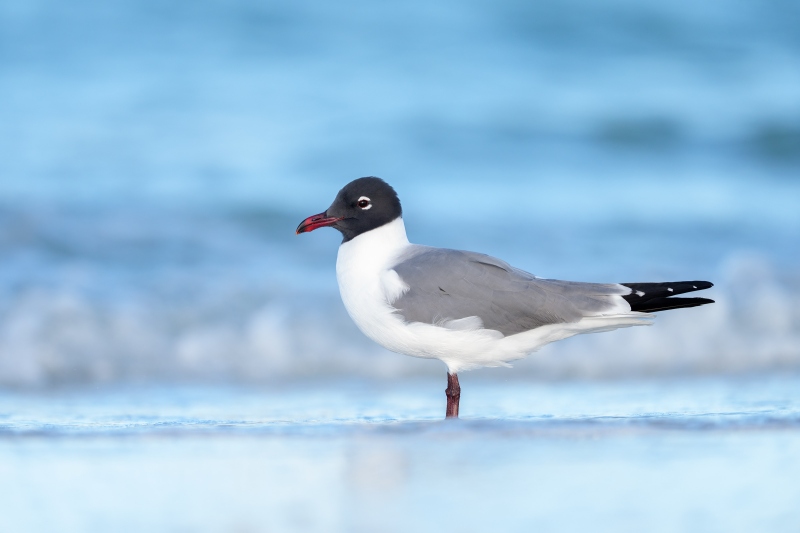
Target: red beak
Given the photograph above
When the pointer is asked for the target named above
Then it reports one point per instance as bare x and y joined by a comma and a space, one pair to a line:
316, 221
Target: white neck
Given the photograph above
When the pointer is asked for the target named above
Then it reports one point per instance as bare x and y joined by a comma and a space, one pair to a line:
377, 242
371, 252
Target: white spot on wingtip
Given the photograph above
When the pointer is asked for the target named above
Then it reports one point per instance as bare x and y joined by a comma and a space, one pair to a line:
694, 286
669, 289
639, 293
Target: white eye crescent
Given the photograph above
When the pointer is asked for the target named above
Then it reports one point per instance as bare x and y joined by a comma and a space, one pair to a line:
364, 203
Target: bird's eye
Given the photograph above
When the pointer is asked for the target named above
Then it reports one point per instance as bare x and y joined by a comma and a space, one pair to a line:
364, 203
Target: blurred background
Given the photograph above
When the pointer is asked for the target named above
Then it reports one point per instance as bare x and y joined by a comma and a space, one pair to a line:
156, 158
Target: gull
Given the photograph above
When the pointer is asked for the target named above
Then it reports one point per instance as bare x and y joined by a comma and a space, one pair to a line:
467, 309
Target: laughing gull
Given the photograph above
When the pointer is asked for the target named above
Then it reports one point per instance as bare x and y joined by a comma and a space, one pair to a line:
466, 309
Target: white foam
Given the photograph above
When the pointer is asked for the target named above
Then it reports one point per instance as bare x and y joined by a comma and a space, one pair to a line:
69, 338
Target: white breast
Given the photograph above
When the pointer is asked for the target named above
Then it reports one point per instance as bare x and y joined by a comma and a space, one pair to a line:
368, 285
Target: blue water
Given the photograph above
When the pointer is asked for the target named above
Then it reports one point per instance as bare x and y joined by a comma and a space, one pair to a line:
698, 455
156, 160
174, 358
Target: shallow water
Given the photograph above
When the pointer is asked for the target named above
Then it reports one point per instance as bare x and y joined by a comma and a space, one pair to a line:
697, 455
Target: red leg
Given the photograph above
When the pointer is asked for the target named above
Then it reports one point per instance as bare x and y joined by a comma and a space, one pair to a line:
453, 392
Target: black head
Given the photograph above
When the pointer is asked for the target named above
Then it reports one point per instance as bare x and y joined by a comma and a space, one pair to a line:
362, 205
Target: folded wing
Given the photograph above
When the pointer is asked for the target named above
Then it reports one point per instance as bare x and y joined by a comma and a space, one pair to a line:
448, 285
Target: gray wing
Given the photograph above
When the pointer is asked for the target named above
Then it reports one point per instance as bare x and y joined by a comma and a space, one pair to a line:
452, 284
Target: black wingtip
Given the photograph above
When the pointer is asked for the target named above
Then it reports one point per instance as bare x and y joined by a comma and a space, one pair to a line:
652, 297
665, 304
